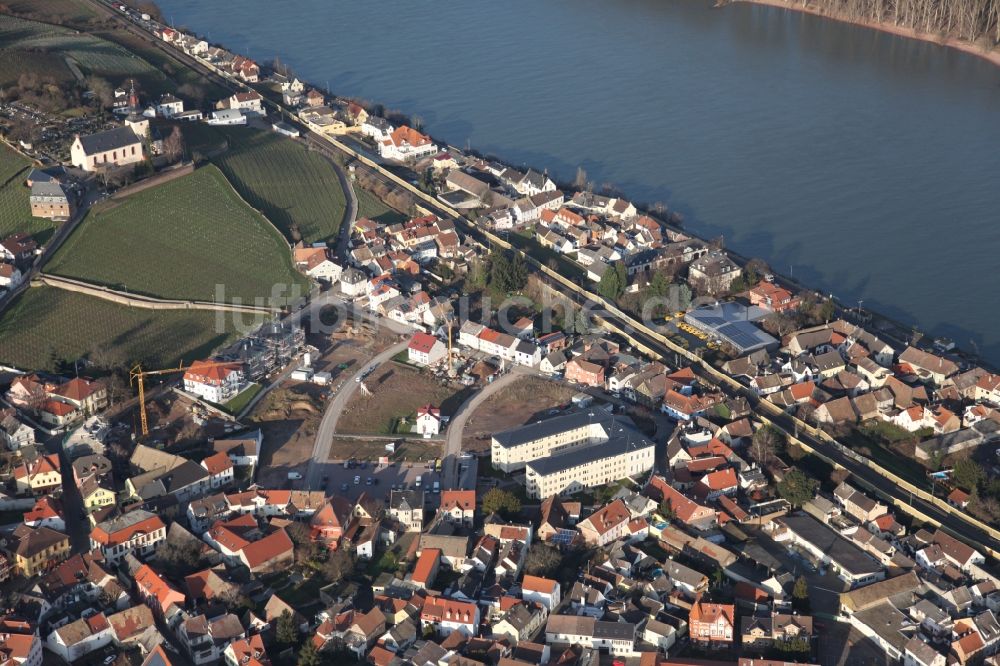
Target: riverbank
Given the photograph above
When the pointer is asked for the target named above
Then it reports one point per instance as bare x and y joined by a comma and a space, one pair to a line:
991, 55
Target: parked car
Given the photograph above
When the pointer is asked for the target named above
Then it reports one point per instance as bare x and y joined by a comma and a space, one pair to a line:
357, 480
294, 476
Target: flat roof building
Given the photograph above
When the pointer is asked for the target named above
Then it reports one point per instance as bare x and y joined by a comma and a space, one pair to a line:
852, 564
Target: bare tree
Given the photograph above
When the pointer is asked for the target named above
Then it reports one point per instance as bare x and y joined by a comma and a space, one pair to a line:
173, 145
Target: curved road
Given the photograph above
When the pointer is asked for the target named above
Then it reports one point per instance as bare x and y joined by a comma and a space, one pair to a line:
453, 442
334, 408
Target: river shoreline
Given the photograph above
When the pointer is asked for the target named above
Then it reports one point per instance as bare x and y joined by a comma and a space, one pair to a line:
992, 55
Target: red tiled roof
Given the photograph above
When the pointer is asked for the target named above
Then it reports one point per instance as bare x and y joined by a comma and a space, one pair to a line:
462, 499
429, 557
217, 463
608, 516
264, 550
538, 584
422, 342
209, 372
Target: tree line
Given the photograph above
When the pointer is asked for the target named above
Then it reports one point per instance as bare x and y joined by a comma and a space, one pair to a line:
969, 20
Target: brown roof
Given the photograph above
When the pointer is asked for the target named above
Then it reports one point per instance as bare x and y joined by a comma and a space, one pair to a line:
264, 550
609, 516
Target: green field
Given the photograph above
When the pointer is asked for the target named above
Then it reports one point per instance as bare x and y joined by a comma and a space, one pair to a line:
22, 40
373, 208
295, 188
15, 210
48, 327
180, 240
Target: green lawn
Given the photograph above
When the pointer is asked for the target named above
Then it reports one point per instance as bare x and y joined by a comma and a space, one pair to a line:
190, 238
15, 209
236, 405
296, 189
373, 208
46, 326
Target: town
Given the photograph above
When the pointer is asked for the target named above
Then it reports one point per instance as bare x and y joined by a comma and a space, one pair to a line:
325, 390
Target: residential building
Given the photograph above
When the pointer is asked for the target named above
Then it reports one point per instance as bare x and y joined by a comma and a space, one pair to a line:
458, 506
428, 421
39, 476
80, 637
425, 349
406, 507
448, 615
605, 525
51, 200
406, 143
544, 591
38, 549
212, 381
137, 532
853, 565
713, 273
712, 625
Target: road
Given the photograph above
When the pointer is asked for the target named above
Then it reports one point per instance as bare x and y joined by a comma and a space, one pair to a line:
334, 408
955, 522
453, 443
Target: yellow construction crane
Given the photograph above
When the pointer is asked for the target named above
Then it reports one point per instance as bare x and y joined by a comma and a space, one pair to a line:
138, 376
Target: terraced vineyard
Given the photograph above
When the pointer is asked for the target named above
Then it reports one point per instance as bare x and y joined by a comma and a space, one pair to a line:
181, 239
22, 40
373, 208
46, 327
296, 189
15, 210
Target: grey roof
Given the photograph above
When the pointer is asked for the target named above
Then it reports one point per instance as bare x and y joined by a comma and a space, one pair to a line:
108, 140
887, 623
624, 441
48, 189
548, 427
622, 631
406, 500
841, 551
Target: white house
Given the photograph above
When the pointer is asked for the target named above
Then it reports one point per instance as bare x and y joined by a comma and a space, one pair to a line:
406, 143
214, 382
314, 262
80, 637
425, 349
227, 117
428, 421
353, 283
250, 103
169, 106
543, 590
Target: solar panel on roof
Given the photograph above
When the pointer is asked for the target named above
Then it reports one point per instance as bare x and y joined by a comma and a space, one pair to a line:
564, 537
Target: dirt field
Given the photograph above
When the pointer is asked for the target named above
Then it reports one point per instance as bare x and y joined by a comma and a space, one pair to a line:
353, 345
288, 416
410, 450
397, 391
525, 400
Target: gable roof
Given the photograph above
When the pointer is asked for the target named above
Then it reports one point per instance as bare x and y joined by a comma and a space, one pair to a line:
112, 139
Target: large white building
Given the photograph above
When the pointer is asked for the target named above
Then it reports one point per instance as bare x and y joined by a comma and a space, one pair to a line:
214, 382
406, 143
569, 453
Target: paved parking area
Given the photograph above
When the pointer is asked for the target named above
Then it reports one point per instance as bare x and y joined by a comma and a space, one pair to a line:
384, 477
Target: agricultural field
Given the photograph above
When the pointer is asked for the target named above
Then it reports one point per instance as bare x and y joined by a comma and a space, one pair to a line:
296, 189
15, 210
373, 208
47, 328
396, 392
190, 238
23, 39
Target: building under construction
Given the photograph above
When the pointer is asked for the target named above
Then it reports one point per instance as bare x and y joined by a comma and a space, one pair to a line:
267, 349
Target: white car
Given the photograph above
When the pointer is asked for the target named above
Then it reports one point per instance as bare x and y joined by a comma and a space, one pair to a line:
294, 476
357, 480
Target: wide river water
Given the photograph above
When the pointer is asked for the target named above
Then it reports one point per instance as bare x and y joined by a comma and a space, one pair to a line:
867, 165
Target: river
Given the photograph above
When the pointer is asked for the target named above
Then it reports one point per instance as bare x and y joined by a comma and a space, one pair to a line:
865, 165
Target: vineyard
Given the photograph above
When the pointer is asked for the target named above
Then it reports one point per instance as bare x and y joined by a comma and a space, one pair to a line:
297, 189
373, 208
15, 209
48, 327
39, 48
181, 239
